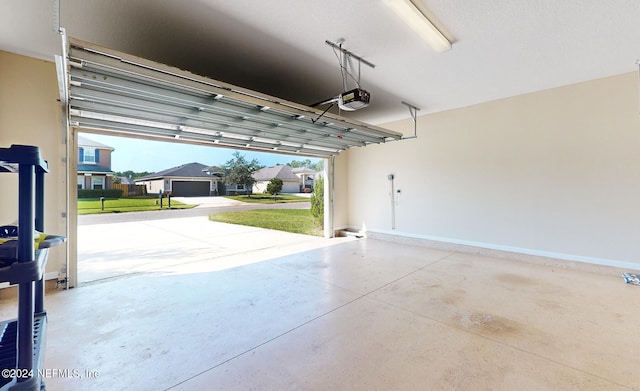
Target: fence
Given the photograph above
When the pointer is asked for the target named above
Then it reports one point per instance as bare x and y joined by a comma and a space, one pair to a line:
130, 190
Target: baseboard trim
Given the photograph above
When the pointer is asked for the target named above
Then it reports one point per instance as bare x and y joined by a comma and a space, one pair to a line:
565, 261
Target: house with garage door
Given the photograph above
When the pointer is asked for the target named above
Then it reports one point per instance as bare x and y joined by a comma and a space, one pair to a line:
94, 164
187, 180
307, 177
290, 181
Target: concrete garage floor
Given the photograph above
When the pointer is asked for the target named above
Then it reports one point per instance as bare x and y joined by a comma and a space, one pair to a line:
343, 314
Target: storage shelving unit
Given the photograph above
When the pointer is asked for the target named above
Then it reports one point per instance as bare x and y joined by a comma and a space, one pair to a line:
22, 339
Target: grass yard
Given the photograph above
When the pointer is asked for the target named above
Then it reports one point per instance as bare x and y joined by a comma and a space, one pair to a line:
298, 221
120, 205
268, 198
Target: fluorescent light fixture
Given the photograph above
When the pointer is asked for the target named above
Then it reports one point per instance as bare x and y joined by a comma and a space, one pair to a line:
420, 24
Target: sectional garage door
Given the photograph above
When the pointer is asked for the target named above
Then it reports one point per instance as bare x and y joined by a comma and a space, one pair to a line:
190, 188
112, 92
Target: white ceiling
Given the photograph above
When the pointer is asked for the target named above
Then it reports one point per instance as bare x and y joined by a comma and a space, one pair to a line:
501, 48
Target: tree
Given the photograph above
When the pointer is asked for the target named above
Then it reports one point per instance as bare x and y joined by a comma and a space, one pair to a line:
274, 187
240, 171
317, 201
131, 174
300, 163
315, 166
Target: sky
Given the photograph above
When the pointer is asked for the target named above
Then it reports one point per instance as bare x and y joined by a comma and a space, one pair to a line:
140, 155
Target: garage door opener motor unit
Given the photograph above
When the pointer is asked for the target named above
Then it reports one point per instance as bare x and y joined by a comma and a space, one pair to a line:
356, 98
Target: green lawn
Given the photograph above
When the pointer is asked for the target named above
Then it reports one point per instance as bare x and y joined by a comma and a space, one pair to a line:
290, 220
268, 198
119, 205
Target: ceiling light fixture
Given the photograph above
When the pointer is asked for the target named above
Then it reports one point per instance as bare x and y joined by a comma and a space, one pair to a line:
420, 24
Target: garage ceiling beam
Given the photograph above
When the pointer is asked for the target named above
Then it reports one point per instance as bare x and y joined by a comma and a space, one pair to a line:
115, 92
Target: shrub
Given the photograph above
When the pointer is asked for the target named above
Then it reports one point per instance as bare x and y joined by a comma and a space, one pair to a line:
97, 193
317, 201
274, 186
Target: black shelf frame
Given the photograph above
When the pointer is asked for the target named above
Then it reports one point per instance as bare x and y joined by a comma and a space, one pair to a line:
22, 339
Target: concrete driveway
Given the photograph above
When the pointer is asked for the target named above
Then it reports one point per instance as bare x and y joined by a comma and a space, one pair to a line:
119, 249
124, 244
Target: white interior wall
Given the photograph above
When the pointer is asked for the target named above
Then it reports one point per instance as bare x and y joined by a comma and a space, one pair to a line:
30, 114
554, 173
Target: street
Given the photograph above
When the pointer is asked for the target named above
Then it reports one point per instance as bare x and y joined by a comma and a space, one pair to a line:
107, 218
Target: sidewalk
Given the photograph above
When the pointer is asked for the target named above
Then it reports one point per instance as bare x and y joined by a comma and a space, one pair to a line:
213, 201
208, 202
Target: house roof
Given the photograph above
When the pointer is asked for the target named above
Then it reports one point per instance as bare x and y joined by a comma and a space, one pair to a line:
86, 142
194, 170
283, 172
303, 170
92, 168
215, 170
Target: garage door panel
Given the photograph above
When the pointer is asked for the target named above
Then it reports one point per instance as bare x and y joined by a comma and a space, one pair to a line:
113, 91
178, 106
190, 188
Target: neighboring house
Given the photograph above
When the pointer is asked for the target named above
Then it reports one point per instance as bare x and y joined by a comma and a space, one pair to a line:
307, 176
290, 181
125, 181
223, 188
94, 164
187, 180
